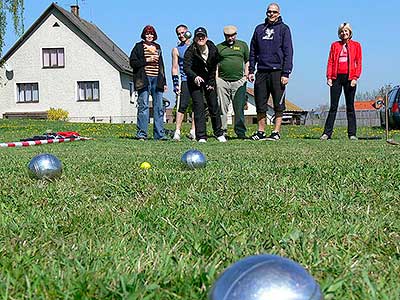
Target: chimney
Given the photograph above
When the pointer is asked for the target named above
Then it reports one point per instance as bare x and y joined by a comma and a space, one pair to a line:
75, 10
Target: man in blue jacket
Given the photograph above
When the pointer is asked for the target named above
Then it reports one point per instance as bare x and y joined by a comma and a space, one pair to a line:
271, 50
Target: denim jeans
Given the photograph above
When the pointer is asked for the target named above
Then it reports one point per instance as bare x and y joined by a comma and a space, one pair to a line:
143, 110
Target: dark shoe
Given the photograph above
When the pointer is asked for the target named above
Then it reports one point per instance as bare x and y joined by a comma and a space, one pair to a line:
259, 136
163, 138
274, 136
140, 138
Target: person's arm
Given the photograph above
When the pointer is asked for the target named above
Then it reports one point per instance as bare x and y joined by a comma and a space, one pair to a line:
287, 48
175, 70
246, 70
357, 64
162, 67
329, 67
246, 60
135, 60
253, 56
358, 60
188, 63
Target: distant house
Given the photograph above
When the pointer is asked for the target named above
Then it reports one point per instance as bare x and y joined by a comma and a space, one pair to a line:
63, 61
366, 115
292, 115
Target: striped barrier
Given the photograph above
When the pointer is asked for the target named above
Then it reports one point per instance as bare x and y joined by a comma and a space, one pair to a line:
42, 142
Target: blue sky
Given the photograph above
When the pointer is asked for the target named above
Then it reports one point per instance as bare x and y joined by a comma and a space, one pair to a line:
313, 25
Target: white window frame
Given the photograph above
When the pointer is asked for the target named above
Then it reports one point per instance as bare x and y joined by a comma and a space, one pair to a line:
25, 92
53, 65
86, 94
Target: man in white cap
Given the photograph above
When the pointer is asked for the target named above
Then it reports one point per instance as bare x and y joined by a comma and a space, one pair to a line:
233, 70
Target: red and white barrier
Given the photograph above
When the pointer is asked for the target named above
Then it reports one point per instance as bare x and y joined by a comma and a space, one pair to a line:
42, 142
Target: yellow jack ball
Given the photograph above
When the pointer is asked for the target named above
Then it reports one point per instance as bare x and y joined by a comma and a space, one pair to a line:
145, 165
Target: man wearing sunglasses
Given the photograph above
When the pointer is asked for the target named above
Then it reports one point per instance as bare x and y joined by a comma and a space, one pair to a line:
271, 51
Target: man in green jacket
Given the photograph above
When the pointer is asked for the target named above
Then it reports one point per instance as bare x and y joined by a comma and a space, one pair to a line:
233, 69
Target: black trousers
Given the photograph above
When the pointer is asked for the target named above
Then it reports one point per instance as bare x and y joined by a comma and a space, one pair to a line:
198, 95
342, 82
184, 97
269, 83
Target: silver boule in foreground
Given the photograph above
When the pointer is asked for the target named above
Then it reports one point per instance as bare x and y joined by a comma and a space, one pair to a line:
45, 166
194, 159
265, 277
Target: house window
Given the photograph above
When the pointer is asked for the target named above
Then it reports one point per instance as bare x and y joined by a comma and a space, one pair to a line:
27, 92
88, 91
53, 58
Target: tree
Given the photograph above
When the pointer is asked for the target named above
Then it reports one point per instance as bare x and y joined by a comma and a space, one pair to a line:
16, 9
373, 94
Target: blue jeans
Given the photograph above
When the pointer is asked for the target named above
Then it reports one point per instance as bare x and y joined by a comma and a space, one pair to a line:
143, 110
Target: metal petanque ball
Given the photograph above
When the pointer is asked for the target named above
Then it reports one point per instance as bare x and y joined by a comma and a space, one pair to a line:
265, 277
187, 34
45, 166
194, 159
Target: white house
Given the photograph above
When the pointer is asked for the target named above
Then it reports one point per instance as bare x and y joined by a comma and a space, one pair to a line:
63, 61
292, 115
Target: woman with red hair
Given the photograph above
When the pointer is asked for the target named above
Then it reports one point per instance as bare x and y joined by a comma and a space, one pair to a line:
149, 79
343, 71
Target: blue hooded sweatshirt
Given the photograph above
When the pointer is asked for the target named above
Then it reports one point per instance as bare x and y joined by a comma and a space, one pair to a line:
271, 48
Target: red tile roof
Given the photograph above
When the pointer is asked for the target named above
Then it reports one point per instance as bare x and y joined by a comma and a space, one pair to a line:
364, 105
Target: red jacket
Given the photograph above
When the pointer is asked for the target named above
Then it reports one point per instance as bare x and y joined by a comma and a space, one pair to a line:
355, 57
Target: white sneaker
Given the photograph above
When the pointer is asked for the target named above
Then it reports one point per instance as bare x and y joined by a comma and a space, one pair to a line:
221, 139
202, 141
177, 135
192, 135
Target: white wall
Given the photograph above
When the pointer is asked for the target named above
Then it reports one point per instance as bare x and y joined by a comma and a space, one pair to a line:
58, 87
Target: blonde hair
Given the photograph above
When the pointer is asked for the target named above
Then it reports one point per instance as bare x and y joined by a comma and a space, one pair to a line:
345, 26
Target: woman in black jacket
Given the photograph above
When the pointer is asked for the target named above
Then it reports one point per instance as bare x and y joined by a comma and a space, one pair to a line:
149, 79
200, 66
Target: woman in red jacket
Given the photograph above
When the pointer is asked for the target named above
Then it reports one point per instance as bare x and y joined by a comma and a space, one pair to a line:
343, 71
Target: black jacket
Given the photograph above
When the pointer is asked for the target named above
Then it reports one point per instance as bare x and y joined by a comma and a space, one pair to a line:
194, 65
138, 62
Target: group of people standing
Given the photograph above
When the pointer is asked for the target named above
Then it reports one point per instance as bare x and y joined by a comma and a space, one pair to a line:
214, 76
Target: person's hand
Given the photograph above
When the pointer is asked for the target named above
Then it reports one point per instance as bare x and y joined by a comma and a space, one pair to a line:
329, 82
209, 87
284, 80
152, 59
177, 90
353, 83
250, 77
165, 88
198, 80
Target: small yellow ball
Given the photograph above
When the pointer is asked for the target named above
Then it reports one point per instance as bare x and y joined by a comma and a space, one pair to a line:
145, 165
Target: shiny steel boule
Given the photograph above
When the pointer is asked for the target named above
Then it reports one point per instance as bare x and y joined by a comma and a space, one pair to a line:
187, 34
265, 277
45, 166
194, 159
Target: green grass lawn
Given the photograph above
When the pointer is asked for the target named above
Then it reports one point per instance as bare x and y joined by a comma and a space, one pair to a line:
109, 230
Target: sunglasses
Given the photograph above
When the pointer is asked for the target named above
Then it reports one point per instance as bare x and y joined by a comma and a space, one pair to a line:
272, 12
